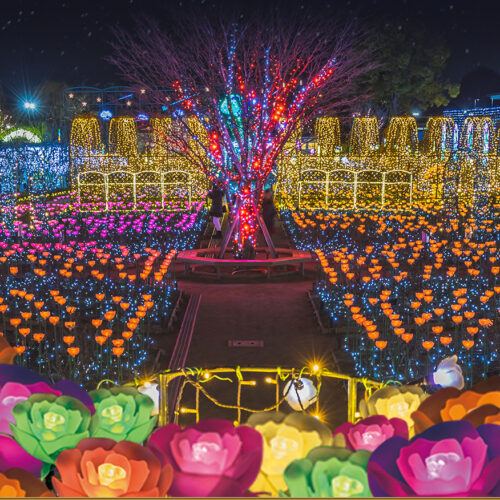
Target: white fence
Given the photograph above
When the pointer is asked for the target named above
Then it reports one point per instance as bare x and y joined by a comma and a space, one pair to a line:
354, 180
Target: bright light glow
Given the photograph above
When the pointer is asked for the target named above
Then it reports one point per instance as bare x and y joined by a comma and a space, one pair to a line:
106, 114
29, 105
21, 133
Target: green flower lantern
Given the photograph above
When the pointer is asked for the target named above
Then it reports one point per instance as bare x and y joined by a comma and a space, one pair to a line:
47, 424
122, 414
328, 472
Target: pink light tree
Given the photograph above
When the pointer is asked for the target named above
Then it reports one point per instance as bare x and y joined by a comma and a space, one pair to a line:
249, 86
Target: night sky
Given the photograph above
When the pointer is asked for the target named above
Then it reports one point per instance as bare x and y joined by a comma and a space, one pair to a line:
68, 40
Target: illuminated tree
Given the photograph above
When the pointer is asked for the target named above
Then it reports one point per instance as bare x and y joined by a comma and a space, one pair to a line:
238, 93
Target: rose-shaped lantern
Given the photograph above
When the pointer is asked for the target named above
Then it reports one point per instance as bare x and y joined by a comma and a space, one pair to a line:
103, 468
394, 402
47, 424
328, 472
13, 455
448, 459
211, 458
286, 438
122, 414
18, 483
478, 405
369, 433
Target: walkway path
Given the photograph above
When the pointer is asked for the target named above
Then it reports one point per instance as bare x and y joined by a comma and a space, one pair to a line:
277, 314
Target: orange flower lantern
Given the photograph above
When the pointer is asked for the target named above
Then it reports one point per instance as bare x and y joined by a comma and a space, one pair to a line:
68, 339
24, 331
109, 315
118, 351
407, 337
54, 320
437, 329
73, 351
427, 345
118, 342
38, 337
127, 334
457, 319
445, 340
15, 322
96, 323
69, 325
19, 349
100, 339
107, 332
467, 343
472, 330
381, 344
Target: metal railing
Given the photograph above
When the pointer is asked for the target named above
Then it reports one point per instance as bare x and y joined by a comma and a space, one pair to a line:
277, 377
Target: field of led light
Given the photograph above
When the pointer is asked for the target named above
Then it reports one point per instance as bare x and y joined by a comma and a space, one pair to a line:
405, 291
82, 293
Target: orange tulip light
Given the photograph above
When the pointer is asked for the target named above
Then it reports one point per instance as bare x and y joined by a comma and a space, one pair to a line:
99, 296
416, 305
427, 345
19, 349
117, 299
68, 339
109, 315
445, 340
131, 325
118, 342
419, 321
100, 339
485, 323
147, 297
437, 329
24, 331
96, 323
124, 305
73, 351
71, 309
467, 343
69, 325
472, 330
381, 344
469, 314
407, 337
39, 304
373, 335
13, 270
44, 314
118, 351
457, 319
38, 337
127, 334
107, 333
15, 322
54, 320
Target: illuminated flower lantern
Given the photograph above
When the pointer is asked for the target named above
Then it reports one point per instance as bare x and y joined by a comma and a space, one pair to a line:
478, 405
394, 402
328, 472
47, 424
211, 458
18, 483
300, 393
369, 433
104, 468
449, 374
286, 438
449, 459
122, 414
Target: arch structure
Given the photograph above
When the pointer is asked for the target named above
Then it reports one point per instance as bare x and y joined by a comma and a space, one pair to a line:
124, 171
